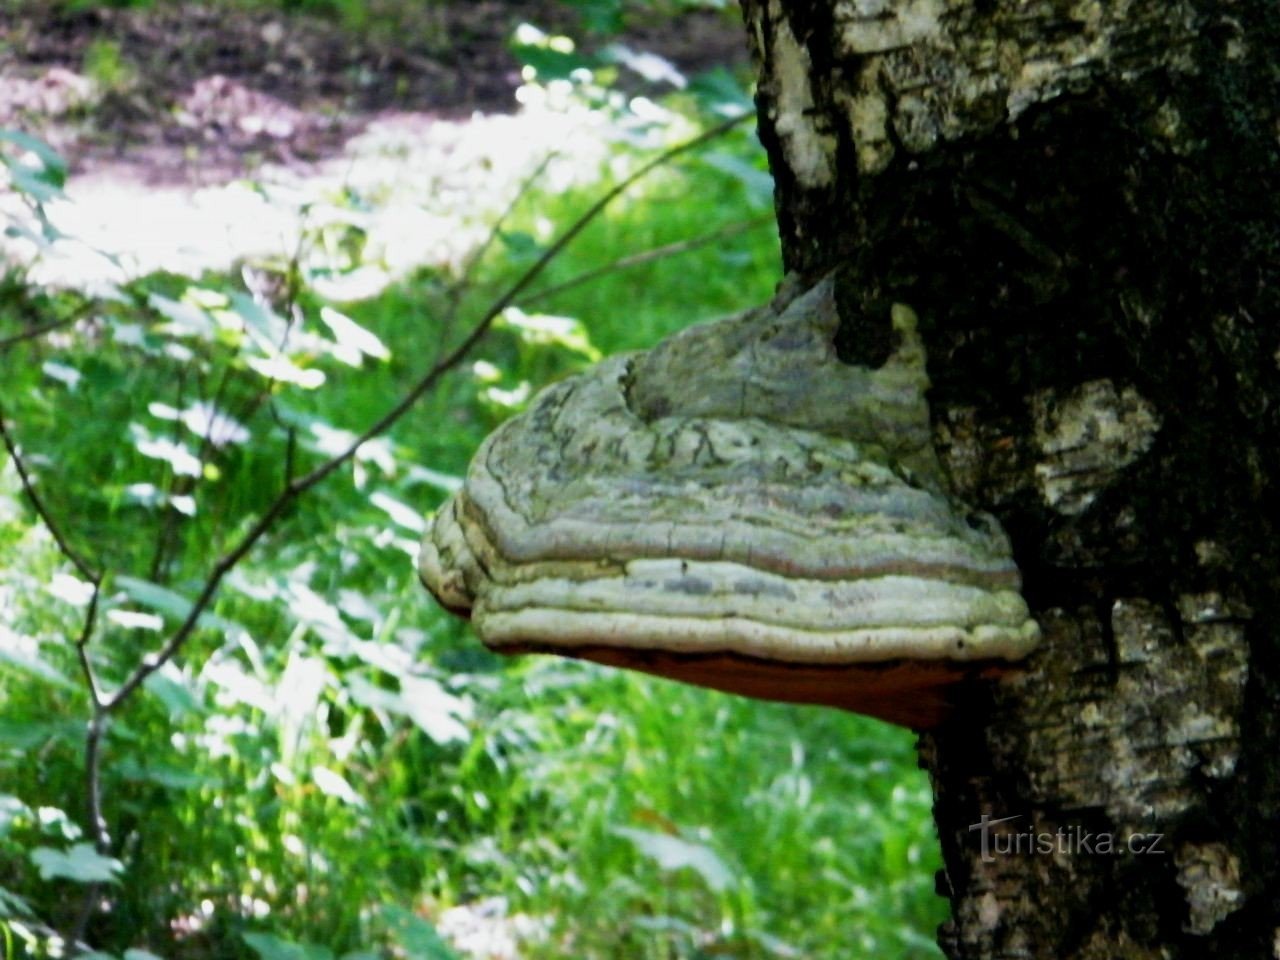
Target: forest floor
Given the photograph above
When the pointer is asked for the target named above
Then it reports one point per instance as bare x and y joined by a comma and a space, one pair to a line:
199, 93
201, 134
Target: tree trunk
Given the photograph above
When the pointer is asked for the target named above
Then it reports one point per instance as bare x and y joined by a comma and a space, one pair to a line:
1081, 200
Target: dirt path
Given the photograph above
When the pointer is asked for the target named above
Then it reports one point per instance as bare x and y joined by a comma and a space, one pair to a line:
160, 112
194, 94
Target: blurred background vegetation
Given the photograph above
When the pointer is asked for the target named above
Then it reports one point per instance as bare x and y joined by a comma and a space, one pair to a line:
330, 766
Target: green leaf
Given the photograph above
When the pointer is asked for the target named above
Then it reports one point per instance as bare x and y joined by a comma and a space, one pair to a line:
204, 420
268, 329
416, 936
333, 784
51, 161
185, 319
12, 906
11, 811
372, 697
171, 603
720, 92
650, 66
54, 822
133, 620
673, 853
156, 597
400, 513
80, 863
36, 184
135, 954
600, 16
173, 693
179, 457
549, 63
69, 376
271, 947
433, 478
18, 232
548, 330
353, 341
436, 712
166, 775
521, 245
24, 653
757, 183
283, 370
24, 735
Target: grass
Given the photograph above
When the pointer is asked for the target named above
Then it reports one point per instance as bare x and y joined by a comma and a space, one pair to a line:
333, 747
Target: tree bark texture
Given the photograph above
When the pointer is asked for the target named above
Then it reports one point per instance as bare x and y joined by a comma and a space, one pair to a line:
1082, 202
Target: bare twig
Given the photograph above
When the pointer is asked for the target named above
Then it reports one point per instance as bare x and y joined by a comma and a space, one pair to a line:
300, 485
648, 256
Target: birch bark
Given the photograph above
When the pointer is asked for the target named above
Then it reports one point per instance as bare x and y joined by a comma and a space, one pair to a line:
1080, 201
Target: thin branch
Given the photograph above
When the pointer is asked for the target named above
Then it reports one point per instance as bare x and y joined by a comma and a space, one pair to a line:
459, 353
93, 769
459, 286
98, 830
82, 647
648, 256
297, 487
34, 333
38, 504
87, 905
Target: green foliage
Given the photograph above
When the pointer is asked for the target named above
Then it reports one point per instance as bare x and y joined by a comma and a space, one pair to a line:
80, 863
331, 762
36, 174
610, 16
596, 16
106, 67
351, 12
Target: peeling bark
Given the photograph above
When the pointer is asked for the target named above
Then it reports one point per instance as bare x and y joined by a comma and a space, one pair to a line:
1081, 200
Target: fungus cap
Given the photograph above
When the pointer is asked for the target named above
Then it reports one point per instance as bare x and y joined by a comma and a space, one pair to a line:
737, 508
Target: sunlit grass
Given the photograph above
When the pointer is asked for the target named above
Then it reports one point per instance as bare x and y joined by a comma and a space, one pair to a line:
281, 782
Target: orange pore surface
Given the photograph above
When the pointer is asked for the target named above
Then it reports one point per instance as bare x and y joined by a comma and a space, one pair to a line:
919, 694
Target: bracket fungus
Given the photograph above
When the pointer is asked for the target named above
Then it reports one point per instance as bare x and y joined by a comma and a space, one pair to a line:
739, 509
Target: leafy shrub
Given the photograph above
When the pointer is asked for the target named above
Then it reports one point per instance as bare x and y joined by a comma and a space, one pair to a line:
328, 762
